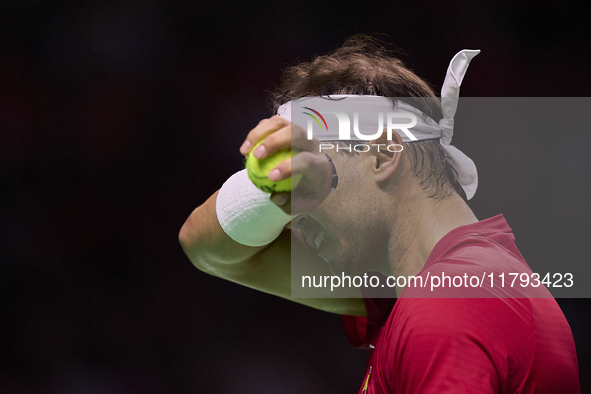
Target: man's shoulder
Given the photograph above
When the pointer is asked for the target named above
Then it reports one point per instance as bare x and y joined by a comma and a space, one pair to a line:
480, 260
479, 243
455, 315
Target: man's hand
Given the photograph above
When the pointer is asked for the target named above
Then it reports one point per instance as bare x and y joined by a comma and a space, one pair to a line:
278, 133
268, 268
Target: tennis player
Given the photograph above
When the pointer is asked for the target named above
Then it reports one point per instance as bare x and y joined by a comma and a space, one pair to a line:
401, 212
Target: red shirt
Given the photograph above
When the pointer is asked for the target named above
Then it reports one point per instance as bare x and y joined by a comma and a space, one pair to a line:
467, 345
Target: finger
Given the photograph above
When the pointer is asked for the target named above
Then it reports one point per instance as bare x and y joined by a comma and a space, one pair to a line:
263, 129
281, 171
280, 139
299, 140
287, 168
295, 223
302, 162
291, 136
317, 170
283, 201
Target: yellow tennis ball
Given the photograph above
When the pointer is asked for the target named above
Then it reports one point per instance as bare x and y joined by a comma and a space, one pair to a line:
258, 171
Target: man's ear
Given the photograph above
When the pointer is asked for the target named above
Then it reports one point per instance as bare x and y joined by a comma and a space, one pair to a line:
386, 155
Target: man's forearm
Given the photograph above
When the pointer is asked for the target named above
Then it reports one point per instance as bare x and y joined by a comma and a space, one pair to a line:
266, 268
205, 242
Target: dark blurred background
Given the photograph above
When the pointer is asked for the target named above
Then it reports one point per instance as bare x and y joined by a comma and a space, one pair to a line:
118, 118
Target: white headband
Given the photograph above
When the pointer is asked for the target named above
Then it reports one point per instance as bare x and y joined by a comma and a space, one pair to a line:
425, 128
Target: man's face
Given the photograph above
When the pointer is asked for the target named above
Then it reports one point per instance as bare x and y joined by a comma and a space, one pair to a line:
346, 229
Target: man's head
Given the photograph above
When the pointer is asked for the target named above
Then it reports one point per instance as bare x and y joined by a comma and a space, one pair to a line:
364, 65
378, 189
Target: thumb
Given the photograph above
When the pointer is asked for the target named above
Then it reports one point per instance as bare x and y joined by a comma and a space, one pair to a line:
283, 201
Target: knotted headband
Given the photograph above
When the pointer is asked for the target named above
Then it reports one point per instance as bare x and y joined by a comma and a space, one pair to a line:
301, 111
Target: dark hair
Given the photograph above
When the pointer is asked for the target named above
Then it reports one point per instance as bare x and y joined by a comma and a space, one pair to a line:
365, 65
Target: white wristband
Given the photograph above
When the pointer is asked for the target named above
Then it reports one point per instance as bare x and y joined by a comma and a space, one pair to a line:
246, 213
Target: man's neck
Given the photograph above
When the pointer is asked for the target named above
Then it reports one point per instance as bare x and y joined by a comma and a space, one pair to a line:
420, 226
